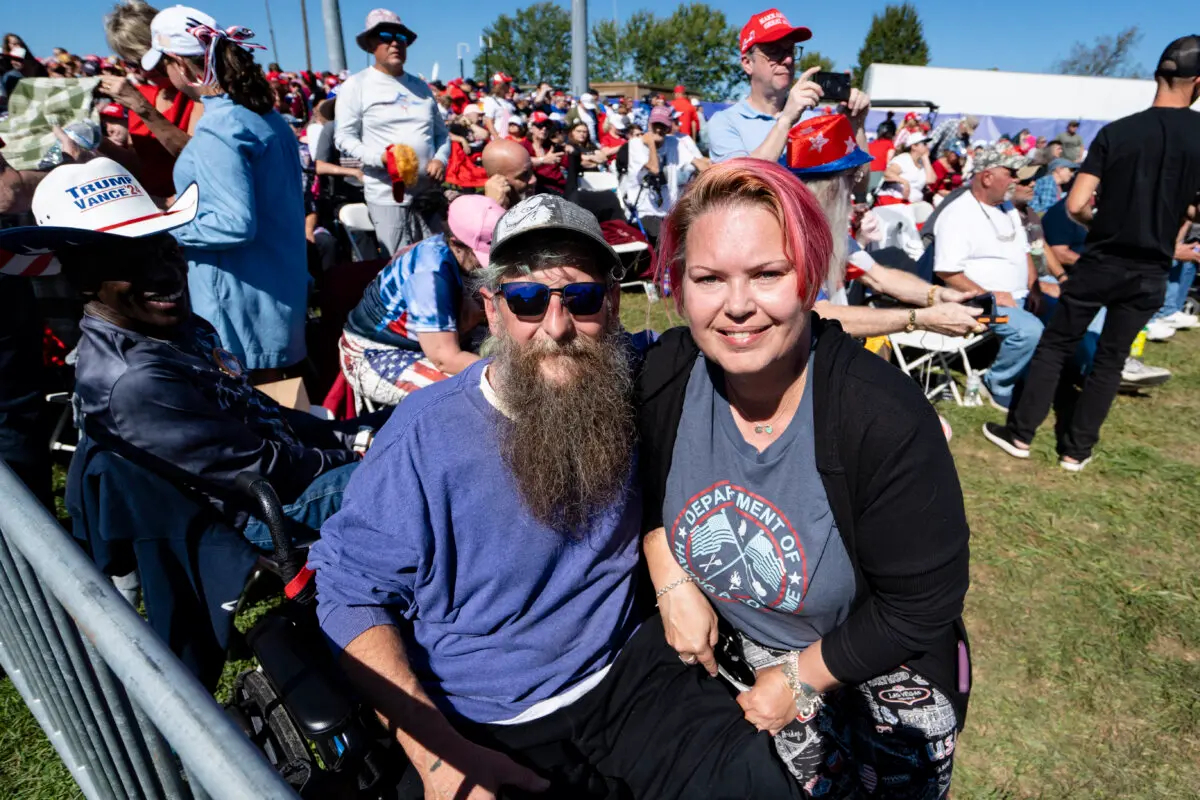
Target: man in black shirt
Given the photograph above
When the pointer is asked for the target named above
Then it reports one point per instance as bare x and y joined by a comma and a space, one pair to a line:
1147, 168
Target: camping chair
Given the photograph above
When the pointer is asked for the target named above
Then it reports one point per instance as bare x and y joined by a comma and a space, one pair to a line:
356, 219
937, 351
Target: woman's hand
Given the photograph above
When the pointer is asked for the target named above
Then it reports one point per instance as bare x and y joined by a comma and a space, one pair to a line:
770, 704
120, 90
949, 319
690, 623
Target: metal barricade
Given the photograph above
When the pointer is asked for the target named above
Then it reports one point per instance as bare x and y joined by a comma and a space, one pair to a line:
127, 718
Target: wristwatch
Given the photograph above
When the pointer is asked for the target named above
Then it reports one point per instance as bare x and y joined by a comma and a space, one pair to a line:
808, 699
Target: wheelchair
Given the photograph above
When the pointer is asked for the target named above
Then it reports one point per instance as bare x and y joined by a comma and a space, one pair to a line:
296, 705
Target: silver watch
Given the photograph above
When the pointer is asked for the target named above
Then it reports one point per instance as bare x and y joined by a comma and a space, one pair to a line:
808, 699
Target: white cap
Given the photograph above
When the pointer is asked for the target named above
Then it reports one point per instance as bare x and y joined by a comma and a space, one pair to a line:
169, 34
618, 121
100, 195
79, 204
588, 101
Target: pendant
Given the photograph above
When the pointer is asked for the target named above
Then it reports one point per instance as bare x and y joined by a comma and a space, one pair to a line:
767, 429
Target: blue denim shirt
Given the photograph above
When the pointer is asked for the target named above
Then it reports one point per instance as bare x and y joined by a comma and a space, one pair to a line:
246, 251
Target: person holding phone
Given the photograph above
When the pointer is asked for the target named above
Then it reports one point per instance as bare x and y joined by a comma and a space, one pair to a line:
801, 489
758, 126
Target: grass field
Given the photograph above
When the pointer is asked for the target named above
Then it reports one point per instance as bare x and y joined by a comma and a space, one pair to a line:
1084, 609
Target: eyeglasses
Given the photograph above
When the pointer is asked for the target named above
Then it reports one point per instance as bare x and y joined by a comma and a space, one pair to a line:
530, 299
776, 53
387, 37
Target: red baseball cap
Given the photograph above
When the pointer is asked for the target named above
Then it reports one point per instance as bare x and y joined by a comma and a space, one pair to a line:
114, 111
500, 77
771, 26
538, 118
680, 89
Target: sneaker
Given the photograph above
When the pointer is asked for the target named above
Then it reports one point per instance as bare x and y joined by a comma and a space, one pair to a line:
1138, 375
1074, 466
1158, 331
998, 435
1181, 321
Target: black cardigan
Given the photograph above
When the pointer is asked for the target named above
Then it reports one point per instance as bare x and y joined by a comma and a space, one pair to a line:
893, 490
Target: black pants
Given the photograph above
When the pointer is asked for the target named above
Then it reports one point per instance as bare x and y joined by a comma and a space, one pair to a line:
654, 728
1131, 293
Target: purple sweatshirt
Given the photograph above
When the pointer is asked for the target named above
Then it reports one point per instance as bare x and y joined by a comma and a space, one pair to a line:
502, 612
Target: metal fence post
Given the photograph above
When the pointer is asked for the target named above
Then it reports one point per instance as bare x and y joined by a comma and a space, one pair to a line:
101, 683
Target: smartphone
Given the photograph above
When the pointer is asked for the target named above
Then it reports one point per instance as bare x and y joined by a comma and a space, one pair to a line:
729, 656
835, 86
988, 303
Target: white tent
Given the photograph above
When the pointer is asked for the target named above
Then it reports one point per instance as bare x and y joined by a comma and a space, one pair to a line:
1009, 101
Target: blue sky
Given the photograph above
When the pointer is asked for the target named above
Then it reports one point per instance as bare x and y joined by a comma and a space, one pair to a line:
1023, 37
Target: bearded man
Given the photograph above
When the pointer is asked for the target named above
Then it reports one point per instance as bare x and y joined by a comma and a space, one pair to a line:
481, 578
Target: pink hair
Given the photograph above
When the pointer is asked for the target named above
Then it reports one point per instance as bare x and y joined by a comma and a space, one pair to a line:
806, 237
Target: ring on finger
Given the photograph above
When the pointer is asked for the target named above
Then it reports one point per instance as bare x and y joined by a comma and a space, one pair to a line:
689, 660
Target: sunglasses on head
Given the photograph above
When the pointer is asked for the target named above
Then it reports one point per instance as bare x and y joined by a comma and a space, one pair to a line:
530, 299
387, 37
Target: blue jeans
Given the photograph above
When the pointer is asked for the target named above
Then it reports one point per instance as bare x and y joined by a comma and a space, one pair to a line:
317, 503
1179, 283
1018, 339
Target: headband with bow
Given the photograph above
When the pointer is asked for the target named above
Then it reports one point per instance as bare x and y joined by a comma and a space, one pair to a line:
209, 36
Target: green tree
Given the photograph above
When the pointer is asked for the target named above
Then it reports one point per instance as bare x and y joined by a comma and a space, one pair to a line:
608, 56
1110, 56
693, 46
532, 45
895, 37
813, 58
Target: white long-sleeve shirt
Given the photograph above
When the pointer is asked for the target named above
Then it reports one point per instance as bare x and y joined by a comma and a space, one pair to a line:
375, 111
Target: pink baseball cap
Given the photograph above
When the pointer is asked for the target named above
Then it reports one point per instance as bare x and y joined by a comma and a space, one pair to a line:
661, 115
472, 219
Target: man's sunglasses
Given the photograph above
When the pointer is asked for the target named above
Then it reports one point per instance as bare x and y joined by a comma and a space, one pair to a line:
530, 299
387, 37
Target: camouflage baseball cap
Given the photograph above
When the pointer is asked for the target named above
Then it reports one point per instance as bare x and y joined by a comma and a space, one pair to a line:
543, 213
996, 157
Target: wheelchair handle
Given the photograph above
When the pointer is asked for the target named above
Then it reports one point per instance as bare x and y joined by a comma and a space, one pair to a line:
270, 510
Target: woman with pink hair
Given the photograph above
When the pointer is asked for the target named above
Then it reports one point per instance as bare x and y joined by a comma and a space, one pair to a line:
803, 521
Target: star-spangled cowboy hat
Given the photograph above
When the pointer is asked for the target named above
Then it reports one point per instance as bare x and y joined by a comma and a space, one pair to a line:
822, 145
80, 204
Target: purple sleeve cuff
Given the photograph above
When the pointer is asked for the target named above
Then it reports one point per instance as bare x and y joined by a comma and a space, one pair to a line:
342, 624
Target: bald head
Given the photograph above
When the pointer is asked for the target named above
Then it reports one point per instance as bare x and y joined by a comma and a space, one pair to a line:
510, 160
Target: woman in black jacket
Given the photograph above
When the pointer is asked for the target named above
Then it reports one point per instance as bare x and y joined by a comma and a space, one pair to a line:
799, 493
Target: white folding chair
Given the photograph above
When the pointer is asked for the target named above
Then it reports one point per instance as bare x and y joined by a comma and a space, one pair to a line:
598, 181
936, 353
356, 219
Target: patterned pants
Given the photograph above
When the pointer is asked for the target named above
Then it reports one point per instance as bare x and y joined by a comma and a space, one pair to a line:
383, 374
891, 737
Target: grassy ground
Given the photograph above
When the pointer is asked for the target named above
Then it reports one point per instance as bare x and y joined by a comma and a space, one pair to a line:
1084, 609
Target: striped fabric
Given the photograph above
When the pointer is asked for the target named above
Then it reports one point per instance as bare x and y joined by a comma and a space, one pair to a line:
382, 374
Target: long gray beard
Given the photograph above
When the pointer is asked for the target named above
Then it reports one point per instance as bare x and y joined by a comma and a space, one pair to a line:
569, 446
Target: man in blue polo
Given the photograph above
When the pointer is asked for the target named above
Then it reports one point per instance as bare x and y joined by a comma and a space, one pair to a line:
758, 126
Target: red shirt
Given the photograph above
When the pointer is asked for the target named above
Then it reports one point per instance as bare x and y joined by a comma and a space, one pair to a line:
947, 179
689, 121
879, 150
156, 163
550, 177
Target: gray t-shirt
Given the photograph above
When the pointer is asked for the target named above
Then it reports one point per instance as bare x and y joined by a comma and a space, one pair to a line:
755, 529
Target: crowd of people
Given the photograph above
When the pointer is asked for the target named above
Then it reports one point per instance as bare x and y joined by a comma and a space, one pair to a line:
787, 497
